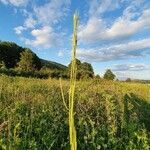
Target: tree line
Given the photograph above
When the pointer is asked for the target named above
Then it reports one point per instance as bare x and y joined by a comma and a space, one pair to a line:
19, 61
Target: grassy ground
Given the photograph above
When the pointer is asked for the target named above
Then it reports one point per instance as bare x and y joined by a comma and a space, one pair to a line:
109, 115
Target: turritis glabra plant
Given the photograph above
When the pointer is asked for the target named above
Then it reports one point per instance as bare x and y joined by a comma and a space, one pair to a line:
72, 130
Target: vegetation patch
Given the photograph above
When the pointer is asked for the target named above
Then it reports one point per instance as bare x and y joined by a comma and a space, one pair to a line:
108, 114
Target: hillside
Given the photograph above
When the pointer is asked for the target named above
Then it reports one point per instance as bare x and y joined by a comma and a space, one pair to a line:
52, 65
10, 55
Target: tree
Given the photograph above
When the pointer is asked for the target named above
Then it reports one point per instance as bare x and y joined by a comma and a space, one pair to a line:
78, 64
10, 53
29, 61
87, 66
128, 80
84, 70
109, 75
97, 76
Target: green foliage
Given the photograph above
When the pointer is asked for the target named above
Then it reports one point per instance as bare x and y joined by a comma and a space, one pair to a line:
29, 61
13, 72
2, 65
109, 75
84, 70
15, 58
54, 73
52, 65
10, 53
87, 66
128, 80
32, 115
97, 76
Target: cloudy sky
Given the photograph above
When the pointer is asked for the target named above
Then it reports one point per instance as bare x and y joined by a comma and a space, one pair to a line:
112, 34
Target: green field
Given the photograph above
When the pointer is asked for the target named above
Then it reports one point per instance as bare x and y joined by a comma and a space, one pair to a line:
108, 115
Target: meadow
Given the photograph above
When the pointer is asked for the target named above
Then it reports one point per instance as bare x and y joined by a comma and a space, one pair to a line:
108, 114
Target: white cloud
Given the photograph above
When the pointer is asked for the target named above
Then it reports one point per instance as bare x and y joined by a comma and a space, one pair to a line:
124, 27
131, 67
123, 75
96, 29
132, 70
19, 29
42, 22
4, 1
30, 22
93, 30
61, 53
15, 2
44, 37
134, 9
97, 7
51, 12
128, 50
25, 13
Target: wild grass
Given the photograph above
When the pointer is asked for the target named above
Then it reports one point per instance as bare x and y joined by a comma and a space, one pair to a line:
72, 130
109, 115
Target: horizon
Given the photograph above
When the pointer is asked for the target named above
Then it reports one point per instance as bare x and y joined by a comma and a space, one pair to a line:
112, 34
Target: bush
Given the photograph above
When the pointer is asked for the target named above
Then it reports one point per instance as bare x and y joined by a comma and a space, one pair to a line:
13, 72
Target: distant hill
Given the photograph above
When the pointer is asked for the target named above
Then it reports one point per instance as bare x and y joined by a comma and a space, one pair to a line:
10, 56
52, 65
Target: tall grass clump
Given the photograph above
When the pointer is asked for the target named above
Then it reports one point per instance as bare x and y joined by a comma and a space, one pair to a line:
72, 130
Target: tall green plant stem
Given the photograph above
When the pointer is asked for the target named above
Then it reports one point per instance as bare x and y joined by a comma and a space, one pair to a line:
72, 130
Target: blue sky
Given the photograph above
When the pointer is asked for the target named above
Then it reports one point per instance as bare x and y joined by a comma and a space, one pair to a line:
112, 34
